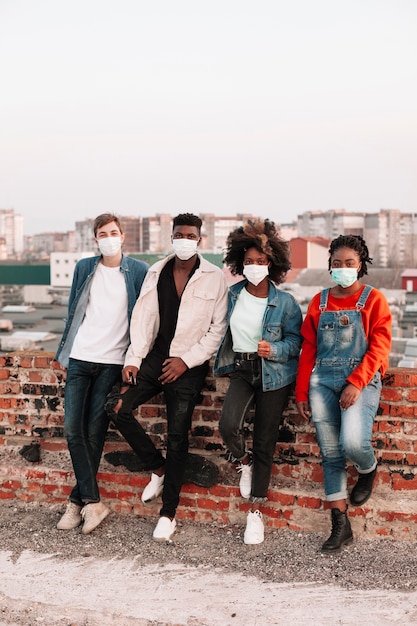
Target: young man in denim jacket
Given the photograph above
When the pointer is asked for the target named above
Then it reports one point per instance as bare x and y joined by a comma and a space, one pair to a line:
93, 346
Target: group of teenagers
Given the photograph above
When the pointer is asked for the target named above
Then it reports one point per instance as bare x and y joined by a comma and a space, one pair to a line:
135, 331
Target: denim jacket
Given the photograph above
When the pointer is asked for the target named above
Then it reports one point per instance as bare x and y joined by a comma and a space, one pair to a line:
280, 327
134, 273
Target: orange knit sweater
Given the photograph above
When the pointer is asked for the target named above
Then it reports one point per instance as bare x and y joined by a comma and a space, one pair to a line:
376, 319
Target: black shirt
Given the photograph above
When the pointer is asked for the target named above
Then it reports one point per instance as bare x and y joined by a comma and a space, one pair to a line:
169, 304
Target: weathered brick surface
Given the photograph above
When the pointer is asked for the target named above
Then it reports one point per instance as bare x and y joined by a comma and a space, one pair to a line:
31, 409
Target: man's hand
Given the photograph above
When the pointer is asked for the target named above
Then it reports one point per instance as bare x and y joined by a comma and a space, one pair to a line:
172, 369
129, 374
304, 409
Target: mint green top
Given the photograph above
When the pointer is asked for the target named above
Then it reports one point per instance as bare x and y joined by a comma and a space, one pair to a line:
246, 322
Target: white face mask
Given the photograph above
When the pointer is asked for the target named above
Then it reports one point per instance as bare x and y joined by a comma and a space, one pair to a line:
255, 273
109, 246
184, 248
344, 276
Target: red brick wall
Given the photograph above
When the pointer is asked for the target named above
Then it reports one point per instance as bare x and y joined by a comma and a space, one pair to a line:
31, 410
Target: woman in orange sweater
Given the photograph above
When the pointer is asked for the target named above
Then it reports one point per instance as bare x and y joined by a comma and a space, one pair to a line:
346, 344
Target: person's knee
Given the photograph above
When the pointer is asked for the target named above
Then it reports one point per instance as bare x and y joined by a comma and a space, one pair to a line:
114, 401
226, 430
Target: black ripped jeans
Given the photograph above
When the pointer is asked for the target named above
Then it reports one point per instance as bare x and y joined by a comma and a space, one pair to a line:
181, 397
245, 390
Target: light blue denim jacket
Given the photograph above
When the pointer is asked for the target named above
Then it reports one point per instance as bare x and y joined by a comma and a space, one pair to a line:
134, 272
280, 327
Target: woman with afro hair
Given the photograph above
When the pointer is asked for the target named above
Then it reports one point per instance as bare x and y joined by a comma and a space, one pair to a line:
260, 353
346, 344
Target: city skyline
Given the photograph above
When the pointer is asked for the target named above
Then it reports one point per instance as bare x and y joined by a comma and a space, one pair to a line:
269, 108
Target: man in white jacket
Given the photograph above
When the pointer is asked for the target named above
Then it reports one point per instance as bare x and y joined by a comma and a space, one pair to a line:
177, 325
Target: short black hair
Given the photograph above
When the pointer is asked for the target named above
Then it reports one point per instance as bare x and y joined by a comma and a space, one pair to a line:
262, 235
356, 243
187, 219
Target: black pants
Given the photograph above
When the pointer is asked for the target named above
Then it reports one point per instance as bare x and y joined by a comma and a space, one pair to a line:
245, 390
181, 397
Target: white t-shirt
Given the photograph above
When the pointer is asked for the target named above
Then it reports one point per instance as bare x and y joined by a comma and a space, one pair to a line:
246, 322
103, 336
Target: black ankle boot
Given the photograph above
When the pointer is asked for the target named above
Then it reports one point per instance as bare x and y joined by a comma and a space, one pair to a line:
361, 492
341, 532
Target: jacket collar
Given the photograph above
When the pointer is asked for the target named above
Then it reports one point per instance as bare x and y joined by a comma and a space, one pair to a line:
273, 291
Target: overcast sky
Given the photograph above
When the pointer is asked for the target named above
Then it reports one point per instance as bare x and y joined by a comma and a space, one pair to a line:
162, 106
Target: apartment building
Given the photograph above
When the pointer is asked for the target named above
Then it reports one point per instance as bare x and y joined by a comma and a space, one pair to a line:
330, 224
11, 235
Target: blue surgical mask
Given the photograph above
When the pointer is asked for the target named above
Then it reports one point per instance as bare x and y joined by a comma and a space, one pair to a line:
344, 276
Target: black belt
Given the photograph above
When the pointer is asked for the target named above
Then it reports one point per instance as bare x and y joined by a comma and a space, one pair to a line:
247, 356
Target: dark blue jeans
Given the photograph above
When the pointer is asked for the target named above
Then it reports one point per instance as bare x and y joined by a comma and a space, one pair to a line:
245, 390
181, 397
86, 422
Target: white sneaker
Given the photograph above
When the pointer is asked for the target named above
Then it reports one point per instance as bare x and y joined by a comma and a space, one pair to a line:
254, 531
154, 488
164, 529
93, 514
245, 483
71, 518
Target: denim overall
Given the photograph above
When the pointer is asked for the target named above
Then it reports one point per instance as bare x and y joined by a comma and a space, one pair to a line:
341, 346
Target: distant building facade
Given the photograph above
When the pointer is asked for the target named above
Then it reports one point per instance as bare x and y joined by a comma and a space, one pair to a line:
11, 235
309, 252
390, 234
330, 224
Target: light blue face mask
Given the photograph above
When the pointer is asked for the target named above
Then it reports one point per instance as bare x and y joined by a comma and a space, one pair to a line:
344, 276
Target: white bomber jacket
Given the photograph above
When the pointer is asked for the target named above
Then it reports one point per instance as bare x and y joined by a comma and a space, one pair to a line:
201, 317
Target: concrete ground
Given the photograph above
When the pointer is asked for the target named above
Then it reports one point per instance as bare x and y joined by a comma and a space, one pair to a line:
80, 592
205, 577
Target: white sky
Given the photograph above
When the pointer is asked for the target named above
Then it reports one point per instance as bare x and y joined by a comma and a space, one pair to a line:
272, 107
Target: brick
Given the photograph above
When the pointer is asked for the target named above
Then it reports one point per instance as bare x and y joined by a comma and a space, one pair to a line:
207, 503
391, 395
404, 482
384, 409
49, 489
149, 411
402, 410
43, 362
110, 477
278, 523
126, 495
410, 395
309, 503
390, 426
13, 485
4, 373
6, 495
282, 498
400, 377
410, 428
35, 377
